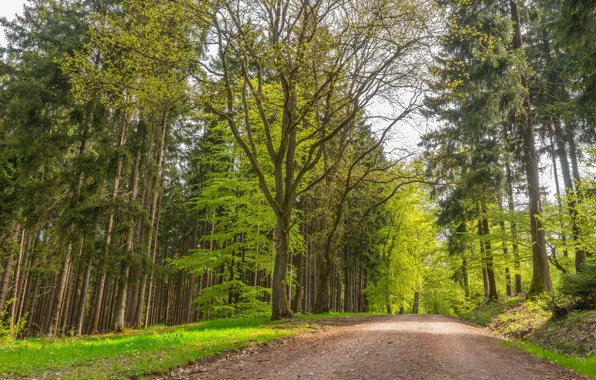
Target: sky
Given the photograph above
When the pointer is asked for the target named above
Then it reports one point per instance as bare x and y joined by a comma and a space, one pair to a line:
8, 8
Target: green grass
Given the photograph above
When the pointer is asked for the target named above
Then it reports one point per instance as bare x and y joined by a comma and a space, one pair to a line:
584, 366
141, 352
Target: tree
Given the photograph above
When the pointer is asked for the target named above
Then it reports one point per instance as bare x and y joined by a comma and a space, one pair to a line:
294, 77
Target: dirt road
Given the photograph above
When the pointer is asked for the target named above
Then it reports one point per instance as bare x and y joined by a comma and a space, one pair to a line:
398, 347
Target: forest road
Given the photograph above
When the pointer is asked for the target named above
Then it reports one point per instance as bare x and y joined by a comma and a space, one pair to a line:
392, 347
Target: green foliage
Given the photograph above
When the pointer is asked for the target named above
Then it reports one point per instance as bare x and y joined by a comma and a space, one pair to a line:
581, 286
406, 241
9, 331
233, 299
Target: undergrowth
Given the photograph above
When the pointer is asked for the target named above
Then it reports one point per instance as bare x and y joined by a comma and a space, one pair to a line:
569, 341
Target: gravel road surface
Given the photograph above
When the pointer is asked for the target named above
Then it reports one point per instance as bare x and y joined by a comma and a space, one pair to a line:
392, 347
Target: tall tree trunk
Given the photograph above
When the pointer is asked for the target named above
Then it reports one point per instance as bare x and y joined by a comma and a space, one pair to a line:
101, 277
299, 284
580, 258
541, 281
5, 284
18, 269
493, 296
122, 283
513, 225
83, 299
347, 299
560, 138
59, 292
485, 281
554, 152
505, 250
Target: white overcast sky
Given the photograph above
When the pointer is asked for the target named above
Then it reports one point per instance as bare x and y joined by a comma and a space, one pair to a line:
8, 8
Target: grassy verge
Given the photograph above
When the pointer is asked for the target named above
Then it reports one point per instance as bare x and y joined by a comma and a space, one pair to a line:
142, 352
529, 324
584, 366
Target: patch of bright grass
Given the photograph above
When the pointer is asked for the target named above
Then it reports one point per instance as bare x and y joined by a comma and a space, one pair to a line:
140, 352
585, 366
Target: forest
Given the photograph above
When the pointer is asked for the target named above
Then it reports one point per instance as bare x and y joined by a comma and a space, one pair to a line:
166, 162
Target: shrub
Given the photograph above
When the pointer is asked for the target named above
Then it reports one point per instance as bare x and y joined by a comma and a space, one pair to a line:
581, 286
8, 331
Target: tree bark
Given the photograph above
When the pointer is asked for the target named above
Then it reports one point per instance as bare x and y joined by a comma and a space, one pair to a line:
415, 303
279, 299
541, 281
100, 286
13, 305
493, 296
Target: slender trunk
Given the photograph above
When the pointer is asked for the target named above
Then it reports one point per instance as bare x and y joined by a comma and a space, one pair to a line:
541, 281
153, 224
485, 281
464, 267
122, 283
100, 286
461, 230
557, 187
83, 299
492, 294
347, 299
299, 284
13, 305
581, 254
59, 292
416, 302
513, 225
560, 138
5, 285
505, 251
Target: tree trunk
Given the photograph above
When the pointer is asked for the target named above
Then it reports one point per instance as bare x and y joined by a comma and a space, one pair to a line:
416, 302
100, 286
580, 255
485, 281
513, 227
322, 300
13, 305
347, 299
492, 294
5, 285
541, 281
560, 138
279, 300
505, 252
299, 284
122, 283
554, 151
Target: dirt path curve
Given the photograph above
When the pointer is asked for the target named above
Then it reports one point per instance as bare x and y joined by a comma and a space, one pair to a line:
396, 347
